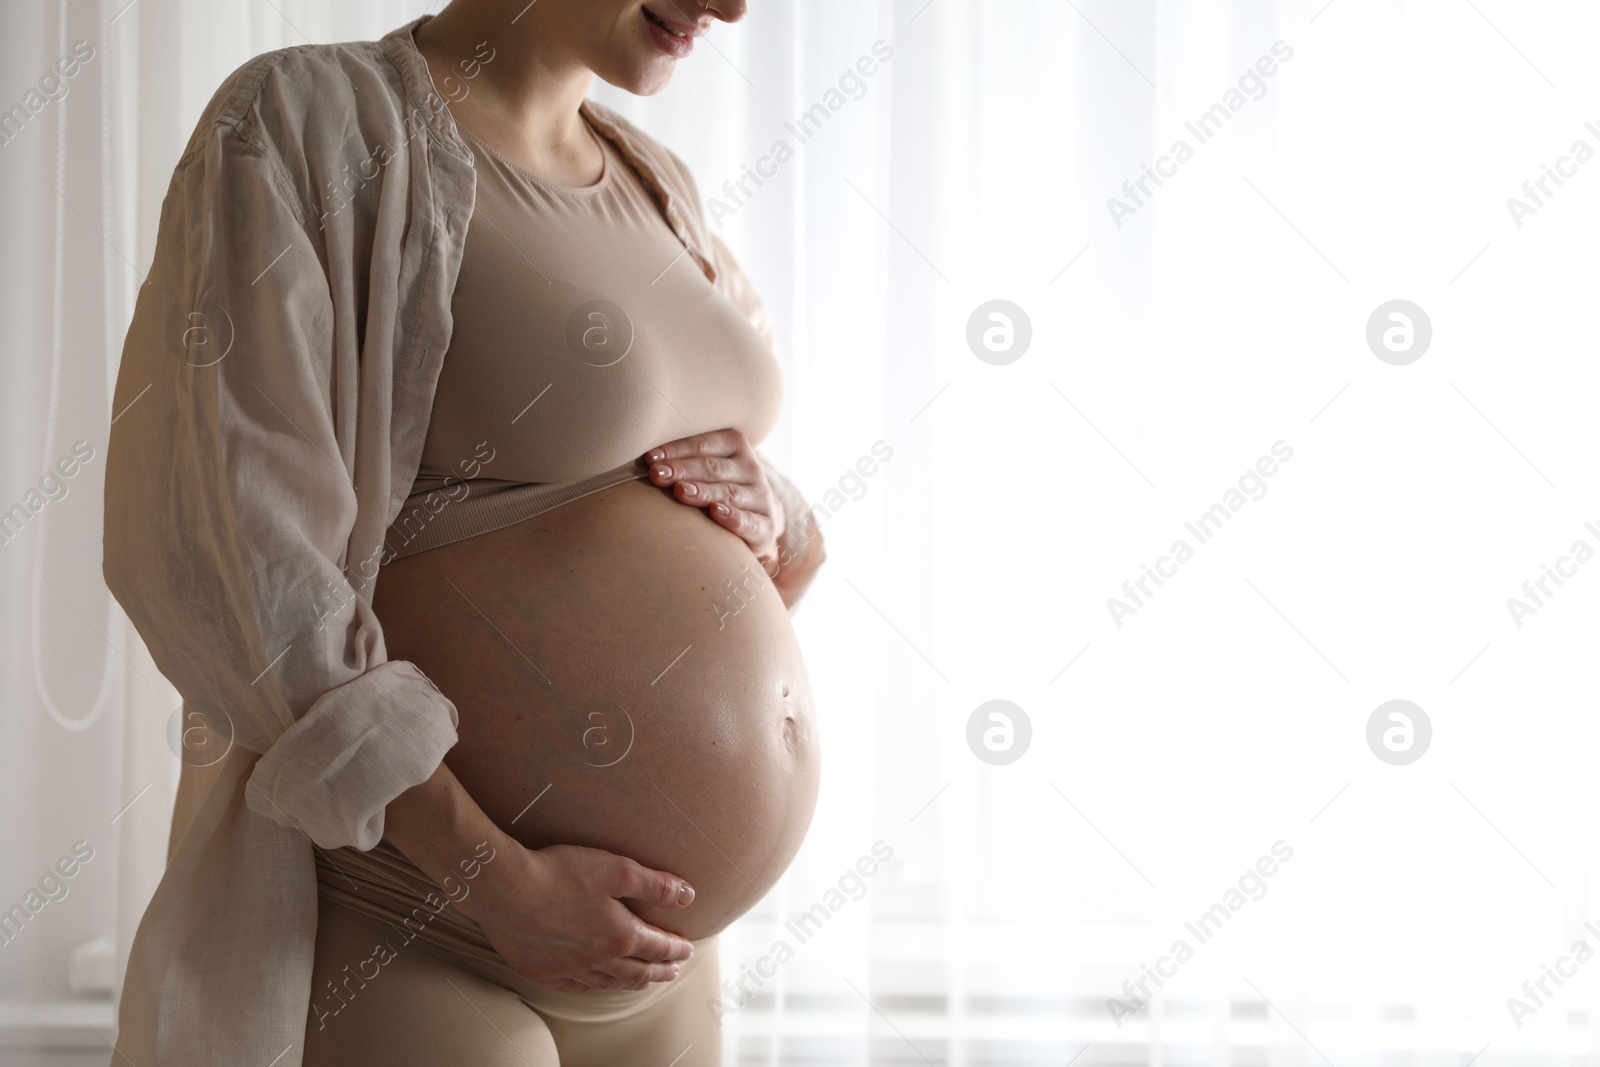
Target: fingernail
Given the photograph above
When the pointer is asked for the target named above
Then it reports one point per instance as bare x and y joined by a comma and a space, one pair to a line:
689, 488
722, 509
656, 454
675, 971
662, 471
686, 893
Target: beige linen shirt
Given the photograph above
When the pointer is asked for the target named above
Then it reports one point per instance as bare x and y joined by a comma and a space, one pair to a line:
272, 402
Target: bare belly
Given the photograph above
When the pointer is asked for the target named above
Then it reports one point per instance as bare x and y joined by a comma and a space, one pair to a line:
622, 665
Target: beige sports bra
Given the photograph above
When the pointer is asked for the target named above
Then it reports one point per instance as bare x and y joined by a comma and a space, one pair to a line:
584, 335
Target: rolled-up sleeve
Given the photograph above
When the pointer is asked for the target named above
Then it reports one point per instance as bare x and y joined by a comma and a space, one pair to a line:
235, 477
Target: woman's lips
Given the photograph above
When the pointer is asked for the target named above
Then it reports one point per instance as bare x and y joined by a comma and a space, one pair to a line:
670, 43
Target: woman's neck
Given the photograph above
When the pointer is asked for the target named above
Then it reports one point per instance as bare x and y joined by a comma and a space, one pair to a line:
524, 77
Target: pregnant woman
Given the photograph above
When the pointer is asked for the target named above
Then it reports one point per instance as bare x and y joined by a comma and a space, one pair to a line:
434, 490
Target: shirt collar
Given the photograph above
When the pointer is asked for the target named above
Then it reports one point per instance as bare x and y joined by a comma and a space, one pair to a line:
427, 106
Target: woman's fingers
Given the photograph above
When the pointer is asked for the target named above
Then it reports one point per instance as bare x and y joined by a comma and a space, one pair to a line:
579, 934
721, 473
738, 520
720, 456
704, 494
654, 945
635, 881
702, 469
620, 973
638, 973
730, 507
716, 443
759, 531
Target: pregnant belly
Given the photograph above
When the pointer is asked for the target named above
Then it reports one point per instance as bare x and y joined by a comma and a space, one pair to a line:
627, 679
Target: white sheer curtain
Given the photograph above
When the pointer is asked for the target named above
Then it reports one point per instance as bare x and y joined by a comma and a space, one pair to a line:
981, 514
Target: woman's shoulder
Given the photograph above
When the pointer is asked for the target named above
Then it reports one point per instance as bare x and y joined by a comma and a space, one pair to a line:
298, 95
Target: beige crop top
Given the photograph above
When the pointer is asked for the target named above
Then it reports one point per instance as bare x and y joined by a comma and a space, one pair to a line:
584, 335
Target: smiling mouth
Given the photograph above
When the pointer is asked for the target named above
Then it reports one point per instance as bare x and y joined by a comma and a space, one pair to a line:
655, 19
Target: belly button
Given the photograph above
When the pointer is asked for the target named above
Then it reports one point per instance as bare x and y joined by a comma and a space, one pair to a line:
789, 731
785, 689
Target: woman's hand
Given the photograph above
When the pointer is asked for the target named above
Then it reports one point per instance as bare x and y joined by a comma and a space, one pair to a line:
720, 472
556, 915
794, 576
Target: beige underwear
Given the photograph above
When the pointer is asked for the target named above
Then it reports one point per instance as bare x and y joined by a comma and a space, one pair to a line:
401, 978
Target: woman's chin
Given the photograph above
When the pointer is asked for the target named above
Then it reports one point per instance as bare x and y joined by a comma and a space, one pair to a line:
642, 76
